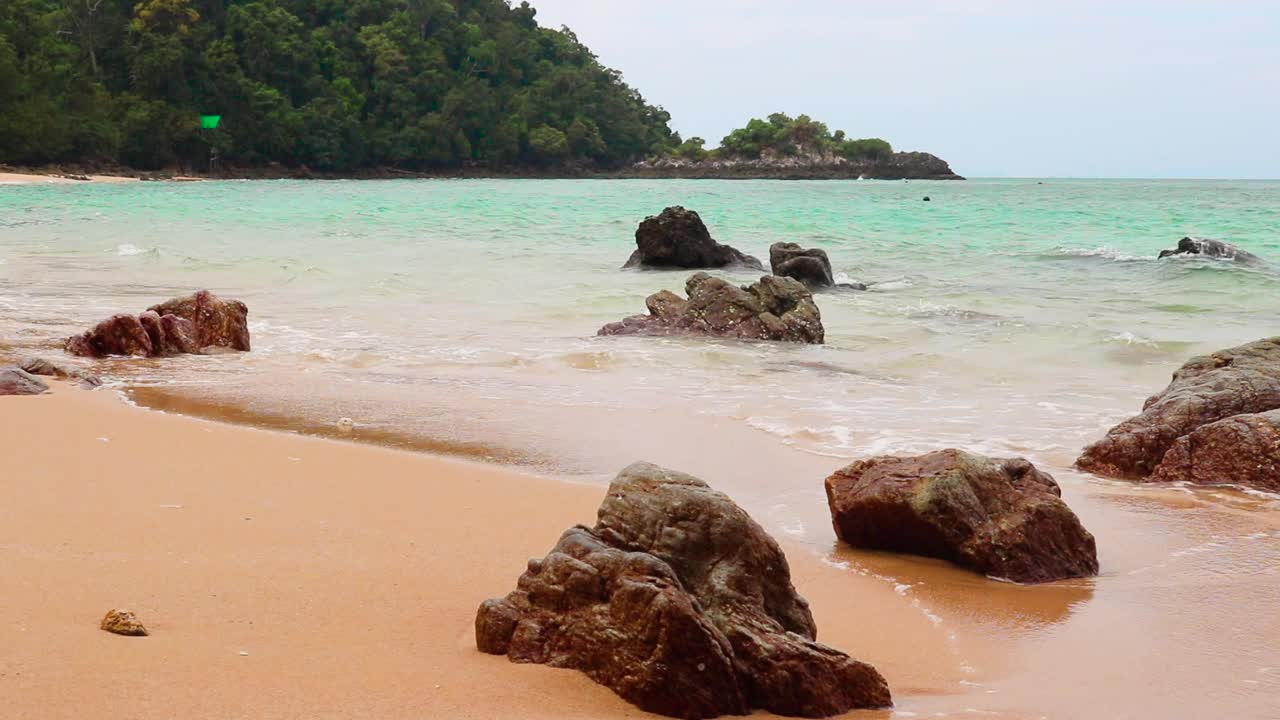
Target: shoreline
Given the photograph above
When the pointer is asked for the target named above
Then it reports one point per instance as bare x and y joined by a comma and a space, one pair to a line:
349, 573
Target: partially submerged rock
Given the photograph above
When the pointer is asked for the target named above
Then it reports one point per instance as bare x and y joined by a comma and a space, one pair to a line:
188, 324
1206, 247
680, 603
773, 308
1002, 518
1242, 450
42, 366
123, 622
678, 239
14, 381
1207, 389
810, 266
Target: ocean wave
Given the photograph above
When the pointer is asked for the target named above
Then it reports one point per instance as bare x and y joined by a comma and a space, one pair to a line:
128, 249
1097, 253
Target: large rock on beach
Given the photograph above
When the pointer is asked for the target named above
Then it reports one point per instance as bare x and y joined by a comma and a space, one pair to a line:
1238, 381
1206, 247
810, 266
1242, 450
1000, 517
15, 381
680, 603
773, 308
678, 239
190, 324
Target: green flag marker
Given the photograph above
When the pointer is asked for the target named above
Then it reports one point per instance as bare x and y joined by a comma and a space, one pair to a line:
210, 122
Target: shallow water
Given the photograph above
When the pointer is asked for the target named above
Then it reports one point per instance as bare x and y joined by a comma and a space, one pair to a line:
1007, 317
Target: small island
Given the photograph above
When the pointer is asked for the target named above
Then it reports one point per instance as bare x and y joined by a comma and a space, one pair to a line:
785, 148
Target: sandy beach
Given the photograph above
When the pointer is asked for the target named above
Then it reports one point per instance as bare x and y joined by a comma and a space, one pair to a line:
290, 577
13, 178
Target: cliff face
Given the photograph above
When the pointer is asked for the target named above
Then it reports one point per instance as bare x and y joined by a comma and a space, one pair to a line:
808, 166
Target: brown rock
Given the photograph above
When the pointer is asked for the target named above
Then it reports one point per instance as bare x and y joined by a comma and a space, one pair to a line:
41, 366
123, 622
1241, 450
810, 266
773, 308
679, 602
217, 322
1240, 380
14, 381
1002, 518
183, 325
677, 239
117, 335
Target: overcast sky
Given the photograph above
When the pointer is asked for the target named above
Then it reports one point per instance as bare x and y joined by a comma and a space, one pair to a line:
1080, 88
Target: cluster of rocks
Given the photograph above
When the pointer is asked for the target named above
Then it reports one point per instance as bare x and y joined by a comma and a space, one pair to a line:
1217, 422
681, 604
773, 308
1217, 249
190, 324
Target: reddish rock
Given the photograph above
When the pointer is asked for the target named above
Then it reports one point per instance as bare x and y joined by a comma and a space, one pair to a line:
1002, 518
1240, 380
679, 602
677, 239
117, 335
217, 322
14, 381
1241, 450
183, 325
774, 308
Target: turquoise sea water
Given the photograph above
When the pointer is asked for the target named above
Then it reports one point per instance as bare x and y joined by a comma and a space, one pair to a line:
1008, 317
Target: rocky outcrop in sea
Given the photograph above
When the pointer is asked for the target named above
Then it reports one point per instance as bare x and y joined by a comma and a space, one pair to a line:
814, 166
772, 308
182, 325
677, 238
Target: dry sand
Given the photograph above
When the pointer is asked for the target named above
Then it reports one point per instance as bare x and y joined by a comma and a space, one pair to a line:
291, 577
11, 178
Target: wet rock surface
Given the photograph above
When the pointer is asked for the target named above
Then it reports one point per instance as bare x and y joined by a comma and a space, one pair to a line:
680, 603
1242, 380
1206, 247
190, 324
773, 308
810, 266
48, 368
15, 381
1000, 517
678, 239
1241, 450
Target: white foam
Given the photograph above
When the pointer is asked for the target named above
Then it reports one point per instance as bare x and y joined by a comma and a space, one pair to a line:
126, 249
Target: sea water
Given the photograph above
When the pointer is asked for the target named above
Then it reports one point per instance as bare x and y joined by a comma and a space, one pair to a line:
1008, 317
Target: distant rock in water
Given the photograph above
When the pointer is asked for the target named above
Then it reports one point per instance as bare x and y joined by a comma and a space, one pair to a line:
188, 324
800, 166
1212, 249
14, 381
773, 308
681, 604
678, 239
1210, 422
810, 266
1002, 518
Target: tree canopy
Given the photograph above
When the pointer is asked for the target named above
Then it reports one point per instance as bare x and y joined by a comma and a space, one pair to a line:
334, 85
784, 135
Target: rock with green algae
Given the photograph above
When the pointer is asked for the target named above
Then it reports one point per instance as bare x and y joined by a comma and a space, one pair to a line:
1000, 517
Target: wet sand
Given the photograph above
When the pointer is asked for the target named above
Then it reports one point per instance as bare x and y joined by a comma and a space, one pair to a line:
349, 574
11, 178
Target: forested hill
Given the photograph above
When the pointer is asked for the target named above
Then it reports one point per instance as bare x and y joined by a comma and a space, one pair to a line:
334, 85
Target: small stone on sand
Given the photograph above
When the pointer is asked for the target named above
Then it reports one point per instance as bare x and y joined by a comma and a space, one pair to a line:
123, 622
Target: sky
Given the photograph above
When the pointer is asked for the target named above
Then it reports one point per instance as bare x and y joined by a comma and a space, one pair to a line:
999, 88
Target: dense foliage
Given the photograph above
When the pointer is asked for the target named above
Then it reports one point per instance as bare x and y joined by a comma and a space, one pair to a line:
782, 135
330, 84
